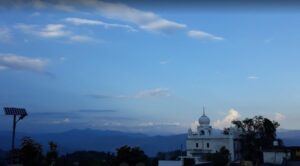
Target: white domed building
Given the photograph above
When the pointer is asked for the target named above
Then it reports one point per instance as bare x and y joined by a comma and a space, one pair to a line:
206, 140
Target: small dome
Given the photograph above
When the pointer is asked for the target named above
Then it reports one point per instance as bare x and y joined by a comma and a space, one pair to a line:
204, 120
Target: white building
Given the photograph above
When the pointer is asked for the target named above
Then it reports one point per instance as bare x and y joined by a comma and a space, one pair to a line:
206, 140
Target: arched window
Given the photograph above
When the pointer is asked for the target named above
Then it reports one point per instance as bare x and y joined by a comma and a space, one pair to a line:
202, 132
197, 145
207, 145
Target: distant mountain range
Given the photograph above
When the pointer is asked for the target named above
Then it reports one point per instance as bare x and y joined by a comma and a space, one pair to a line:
290, 137
100, 140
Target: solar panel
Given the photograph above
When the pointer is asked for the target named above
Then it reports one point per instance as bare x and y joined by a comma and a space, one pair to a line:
14, 111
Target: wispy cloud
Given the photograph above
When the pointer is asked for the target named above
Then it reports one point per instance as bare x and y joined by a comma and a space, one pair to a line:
61, 121
159, 124
226, 122
35, 14
278, 116
164, 62
203, 35
5, 35
81, 38
17, 62
97, 111
81, 21
48, 31
252, 77
194, 125
145, 20
98, 96
53, 31
157, 92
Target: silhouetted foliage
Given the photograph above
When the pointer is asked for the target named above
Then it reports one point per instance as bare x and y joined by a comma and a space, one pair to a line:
171, 155
226, 131
52, 155
30, 152
257, 133
220, 158
130, 156
86, 158
188, 162
2, 157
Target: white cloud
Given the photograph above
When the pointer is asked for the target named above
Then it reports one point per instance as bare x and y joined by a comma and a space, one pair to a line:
80, 21
164, 62
48, 31
145, 20
36, 14
194, 125
63, 121
226, 122
252, 77
16, 62
66, 120
53, 31
278, 116
80, 38
5, 35
64, 7
159, 124
203, 35
157, 92
62, 59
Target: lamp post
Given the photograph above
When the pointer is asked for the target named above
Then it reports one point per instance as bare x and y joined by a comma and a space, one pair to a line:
21, 113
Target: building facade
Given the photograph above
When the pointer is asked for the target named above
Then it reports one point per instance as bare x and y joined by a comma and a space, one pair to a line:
206, 140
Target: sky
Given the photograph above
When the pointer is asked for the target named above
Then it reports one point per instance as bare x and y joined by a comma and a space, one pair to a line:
136, 67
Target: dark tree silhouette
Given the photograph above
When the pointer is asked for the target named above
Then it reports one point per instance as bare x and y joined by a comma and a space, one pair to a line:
130, 156
52, 155
220, 158
171, 155
257, 133
30, 152
86, 158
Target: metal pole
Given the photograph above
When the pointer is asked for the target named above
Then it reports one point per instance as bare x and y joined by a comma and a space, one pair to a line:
13, 134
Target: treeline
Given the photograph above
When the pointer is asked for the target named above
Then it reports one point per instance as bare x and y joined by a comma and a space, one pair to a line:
31, 154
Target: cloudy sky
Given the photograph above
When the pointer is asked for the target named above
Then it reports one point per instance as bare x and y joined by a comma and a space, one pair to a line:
146, 68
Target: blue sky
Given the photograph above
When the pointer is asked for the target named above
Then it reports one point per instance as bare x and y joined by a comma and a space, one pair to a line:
133, 67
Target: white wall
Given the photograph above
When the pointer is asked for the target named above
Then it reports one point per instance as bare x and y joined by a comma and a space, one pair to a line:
275, 157
214, 145
169, 163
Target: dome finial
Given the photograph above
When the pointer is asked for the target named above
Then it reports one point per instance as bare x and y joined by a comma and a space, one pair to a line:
203, 110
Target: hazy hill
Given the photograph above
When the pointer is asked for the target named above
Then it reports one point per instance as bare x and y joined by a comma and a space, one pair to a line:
290, 137
110, 140
100, 140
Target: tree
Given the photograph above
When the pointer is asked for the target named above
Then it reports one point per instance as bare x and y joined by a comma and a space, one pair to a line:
30, 152
86, 158
257, 133
220, 158
171, 155
52, 155
130, 156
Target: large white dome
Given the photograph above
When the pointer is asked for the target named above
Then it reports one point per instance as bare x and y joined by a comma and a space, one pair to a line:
204, 120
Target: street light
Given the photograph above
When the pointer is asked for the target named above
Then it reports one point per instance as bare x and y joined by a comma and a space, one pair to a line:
21, 112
